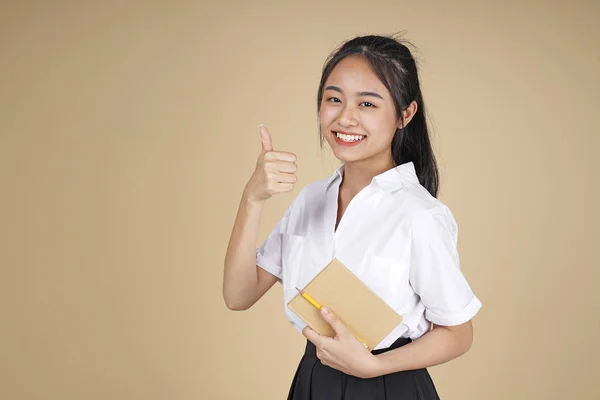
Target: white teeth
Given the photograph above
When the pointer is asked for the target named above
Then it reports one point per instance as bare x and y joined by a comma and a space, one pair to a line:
349, 138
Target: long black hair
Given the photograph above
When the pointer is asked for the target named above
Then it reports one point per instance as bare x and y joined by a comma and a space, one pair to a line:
396, 68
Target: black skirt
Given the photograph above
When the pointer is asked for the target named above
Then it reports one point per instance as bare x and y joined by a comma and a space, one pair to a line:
316, 381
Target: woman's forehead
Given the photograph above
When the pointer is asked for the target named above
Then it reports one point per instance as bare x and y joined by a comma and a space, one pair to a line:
355, 74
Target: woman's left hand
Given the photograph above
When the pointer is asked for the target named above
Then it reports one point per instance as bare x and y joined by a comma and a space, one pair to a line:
343, 352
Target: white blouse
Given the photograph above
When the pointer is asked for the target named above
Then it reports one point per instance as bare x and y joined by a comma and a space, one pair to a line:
396, 237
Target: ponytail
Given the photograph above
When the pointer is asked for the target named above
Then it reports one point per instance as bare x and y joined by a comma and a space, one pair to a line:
412, 144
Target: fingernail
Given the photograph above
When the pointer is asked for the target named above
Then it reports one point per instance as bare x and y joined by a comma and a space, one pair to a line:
260, 125
324, 310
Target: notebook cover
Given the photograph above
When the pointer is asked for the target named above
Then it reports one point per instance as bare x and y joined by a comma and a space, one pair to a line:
362, 311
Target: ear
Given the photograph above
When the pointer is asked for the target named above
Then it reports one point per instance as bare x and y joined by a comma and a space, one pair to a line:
407, 114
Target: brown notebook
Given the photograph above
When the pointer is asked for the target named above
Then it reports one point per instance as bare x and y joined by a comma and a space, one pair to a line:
363, 312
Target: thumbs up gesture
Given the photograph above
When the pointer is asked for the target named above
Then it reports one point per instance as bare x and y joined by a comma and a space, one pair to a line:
275, 170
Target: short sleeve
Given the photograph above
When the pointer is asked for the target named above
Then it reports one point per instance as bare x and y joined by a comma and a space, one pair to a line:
268, 255
435, 273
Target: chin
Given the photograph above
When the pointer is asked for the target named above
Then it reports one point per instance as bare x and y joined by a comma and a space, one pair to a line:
347, 156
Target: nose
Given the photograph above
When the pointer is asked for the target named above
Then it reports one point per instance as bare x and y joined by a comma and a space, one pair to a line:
347, 117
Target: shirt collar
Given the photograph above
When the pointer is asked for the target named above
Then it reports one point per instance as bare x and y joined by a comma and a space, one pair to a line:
392, 179
336, 174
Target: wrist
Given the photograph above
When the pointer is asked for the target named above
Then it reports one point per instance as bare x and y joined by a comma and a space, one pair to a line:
377, 368
249, 199
383, 366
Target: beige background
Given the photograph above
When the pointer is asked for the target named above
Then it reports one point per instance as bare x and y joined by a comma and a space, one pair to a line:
128, 131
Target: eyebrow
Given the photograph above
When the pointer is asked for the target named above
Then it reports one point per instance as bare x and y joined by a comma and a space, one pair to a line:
337, 89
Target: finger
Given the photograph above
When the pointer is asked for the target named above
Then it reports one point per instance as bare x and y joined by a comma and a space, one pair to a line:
322, 357
279, 166
281, 156
265, 138
277, 187
286, 166
312, 336
285, 178
337, 325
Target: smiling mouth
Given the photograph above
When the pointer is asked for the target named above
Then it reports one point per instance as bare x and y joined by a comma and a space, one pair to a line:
348, 138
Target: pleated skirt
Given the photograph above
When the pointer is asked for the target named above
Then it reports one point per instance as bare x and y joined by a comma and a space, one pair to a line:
315, 381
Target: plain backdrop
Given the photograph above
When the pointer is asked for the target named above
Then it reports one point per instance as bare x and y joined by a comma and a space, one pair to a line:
129, 129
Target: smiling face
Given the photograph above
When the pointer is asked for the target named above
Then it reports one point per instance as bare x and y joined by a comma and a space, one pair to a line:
357, 113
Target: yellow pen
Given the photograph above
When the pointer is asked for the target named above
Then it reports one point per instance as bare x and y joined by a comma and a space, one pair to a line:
310, 299
318, 307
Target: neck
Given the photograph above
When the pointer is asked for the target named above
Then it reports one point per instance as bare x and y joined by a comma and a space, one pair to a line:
359, 174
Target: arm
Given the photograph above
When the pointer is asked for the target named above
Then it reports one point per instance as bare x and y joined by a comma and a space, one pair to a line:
449, 302
345, 353
244, 283
440, 345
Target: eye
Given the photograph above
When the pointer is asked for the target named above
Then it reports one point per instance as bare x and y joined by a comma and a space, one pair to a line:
334, 100
368, 105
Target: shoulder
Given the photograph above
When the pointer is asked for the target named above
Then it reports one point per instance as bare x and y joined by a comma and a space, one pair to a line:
426, 212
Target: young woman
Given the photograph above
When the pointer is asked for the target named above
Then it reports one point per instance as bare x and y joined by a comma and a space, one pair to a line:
378, 214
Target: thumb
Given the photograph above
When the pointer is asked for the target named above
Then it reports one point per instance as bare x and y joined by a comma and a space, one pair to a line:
265, 138
332, 319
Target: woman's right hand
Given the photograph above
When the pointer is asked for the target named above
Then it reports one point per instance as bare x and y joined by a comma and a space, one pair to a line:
275, 171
